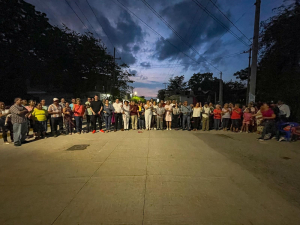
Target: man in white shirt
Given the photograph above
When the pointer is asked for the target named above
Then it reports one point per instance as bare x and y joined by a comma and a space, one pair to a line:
284, 111
118, 109
126, 115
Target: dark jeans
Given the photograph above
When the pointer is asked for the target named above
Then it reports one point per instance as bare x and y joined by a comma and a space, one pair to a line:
225, 122
154, 121
94, 119
269, 128
217, 123
69, 126
142, 123
56, 121
175, 121
118, 121
236, 123
8, 127
88, 123
186, 119
107, 122
40, 126
196, 122
78, 120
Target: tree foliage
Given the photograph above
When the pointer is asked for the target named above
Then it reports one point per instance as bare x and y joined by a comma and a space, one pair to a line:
177, 84
52, 59
161, 94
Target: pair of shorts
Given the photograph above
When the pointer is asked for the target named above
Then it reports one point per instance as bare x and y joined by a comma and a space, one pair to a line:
236, 123
40, 126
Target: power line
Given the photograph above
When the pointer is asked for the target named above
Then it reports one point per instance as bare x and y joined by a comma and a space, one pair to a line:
156, 31
174, 31
229, 20
77, 15
220, 22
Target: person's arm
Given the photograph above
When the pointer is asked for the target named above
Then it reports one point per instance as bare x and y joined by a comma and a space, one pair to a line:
287, 110
101, 108
91, 108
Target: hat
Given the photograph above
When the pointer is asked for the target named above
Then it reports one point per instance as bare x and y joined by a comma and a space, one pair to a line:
55, 99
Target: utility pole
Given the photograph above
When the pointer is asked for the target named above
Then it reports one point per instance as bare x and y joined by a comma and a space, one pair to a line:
255, 53
221, 90
114, 72
249, 74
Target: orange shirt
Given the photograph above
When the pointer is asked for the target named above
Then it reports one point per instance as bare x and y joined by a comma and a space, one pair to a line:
79, 110
217, 113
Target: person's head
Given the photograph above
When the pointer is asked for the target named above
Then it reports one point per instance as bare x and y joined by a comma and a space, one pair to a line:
73, 100
211, 105
206, 104
2, 105
280, 102
39, 106
151, 100
117, 100
43, 102
168, 102
106, 101
55, 101
154, 103
159, 105
266, 106
237, 106
226, 105
185, 103
126, 103
89, 99
197, 105
218, 106
250, 105
96, 97
230, 105
247, 110
173, 101
93, 99
141, 104
78, 101
31, 103
148, 102
19, 101
24, 101
176, 105
62, 100
162, 101
179, 104
67, 104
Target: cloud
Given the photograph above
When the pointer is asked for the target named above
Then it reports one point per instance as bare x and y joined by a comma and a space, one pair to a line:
145, 64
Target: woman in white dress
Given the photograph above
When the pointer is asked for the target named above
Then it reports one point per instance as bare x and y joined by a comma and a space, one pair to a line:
168, 117
148, 114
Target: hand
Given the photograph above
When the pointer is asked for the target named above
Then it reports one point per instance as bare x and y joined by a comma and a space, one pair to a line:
94, 113
104, 111
99, 113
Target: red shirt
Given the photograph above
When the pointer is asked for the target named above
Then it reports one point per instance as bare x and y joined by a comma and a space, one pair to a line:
79, 110
134, 108
236, 115
268, 113
217, 113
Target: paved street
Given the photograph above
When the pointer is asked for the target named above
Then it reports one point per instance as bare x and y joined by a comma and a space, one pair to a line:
154, 177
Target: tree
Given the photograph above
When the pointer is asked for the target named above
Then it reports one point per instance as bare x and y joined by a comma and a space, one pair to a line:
137, 98
204, 82
242, 75
177, 84
161, 94
279, 69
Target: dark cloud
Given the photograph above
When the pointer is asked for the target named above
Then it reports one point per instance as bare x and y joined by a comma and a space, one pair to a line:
194, 26
145, 64
136, 48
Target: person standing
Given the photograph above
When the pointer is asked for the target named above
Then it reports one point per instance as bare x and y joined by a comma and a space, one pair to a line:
217, 117
133, 114
176, 115
55, 110
236, 116
79, 113
30, 121
160, 116
284, 111
118, 107
196, 116
88, 114
205, 117
108, 111
168, 116
5, 123
154, 115
126, 115
40, 120
62, 103
141, 115
73, 102
69, 125
186, 116
226, 111
45, 107
19, 121
96, 107
148, 114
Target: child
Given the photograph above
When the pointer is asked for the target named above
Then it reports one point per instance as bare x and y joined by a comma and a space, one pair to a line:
247, 120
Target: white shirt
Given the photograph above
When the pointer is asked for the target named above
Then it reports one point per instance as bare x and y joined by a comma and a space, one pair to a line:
118, 107
126, 110
196, 112
227, 114
284, 110
205, 110
154, 111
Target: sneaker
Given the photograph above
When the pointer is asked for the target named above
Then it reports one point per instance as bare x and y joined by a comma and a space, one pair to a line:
170, 129
7, 143
94, 131
102, 131
260, 138
154, 128
267, 136
282, 139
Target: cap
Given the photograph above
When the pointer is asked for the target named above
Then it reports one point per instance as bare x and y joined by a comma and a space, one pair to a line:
55, 99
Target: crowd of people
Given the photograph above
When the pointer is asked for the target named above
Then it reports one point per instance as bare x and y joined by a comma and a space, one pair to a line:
66, 118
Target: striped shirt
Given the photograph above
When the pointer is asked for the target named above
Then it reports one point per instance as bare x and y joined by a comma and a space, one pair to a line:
15, 116
54, 108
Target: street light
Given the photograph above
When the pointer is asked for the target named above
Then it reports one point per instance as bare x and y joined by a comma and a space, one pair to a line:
135, 93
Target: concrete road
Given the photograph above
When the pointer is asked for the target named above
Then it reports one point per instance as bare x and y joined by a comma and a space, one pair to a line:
154, 177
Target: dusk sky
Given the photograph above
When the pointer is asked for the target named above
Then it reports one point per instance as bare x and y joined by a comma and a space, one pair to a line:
153, 58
